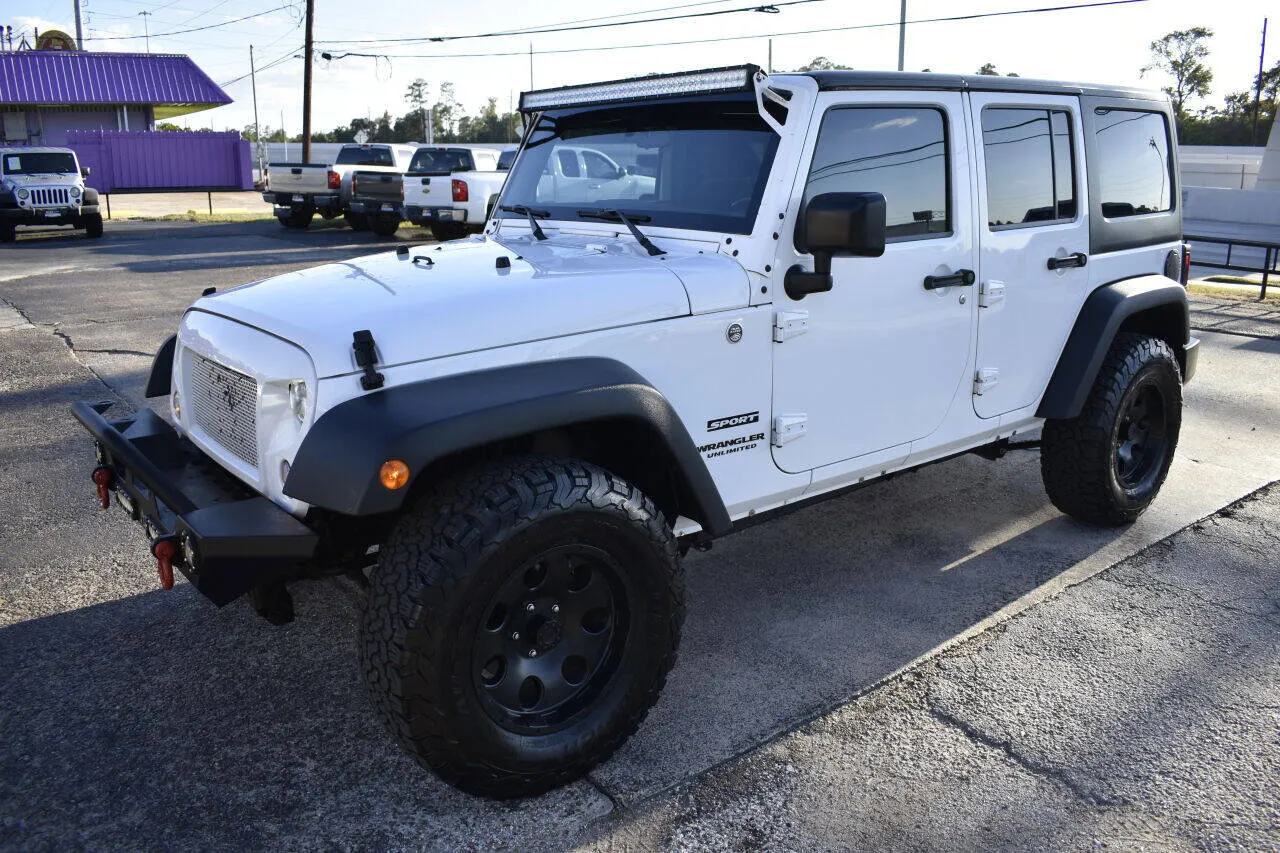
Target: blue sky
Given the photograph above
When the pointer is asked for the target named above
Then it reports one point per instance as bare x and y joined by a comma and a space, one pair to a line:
1107, 45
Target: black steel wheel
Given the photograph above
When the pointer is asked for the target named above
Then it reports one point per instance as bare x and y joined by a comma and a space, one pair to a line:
551, 638
1107, 465
521, 621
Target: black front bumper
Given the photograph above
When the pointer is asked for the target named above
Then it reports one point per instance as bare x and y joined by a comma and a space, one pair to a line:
57, 216
229, 538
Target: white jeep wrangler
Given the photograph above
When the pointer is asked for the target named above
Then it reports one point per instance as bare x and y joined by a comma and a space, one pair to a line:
824, 278
45, 186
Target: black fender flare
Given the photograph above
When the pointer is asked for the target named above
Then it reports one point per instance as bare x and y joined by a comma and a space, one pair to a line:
1104, 312
161, 378
90, 196
337, 465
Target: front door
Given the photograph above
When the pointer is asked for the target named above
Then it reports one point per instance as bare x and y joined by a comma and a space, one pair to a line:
1034, 242
885, 352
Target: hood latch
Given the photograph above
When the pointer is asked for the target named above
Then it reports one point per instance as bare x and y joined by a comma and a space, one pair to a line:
366, 357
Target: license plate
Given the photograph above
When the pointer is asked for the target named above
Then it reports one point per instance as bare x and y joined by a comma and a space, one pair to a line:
53, 214
387, 208
298, 198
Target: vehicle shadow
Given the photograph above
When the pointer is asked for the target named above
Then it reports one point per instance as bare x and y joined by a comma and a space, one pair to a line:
155, 720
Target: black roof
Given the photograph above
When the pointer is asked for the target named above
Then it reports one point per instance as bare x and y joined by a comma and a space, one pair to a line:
837, 80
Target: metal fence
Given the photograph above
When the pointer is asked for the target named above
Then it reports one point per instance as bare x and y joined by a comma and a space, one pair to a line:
1270, 257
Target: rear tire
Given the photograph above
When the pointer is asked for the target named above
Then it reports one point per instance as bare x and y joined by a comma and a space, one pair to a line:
298, 217
357, 221
1106, 465
385, 226
521, 621
446, 231
93, 225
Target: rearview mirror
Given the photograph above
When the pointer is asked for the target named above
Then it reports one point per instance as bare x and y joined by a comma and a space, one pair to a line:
835, 225
85, 171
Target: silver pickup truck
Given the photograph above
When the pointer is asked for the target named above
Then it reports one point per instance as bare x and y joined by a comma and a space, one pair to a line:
298, 191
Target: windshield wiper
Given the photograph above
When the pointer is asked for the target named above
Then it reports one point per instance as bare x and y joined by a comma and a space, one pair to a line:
531, 213
629, 221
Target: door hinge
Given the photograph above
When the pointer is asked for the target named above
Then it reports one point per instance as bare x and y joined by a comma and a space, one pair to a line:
985, 379
788, 428
788, 324
990, 293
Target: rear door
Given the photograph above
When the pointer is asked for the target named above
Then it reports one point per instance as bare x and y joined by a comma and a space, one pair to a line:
1034, 242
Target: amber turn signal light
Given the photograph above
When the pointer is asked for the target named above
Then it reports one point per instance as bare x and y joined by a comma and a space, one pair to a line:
394, 474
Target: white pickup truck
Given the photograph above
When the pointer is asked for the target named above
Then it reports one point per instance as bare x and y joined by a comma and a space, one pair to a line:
298, 191
452, 190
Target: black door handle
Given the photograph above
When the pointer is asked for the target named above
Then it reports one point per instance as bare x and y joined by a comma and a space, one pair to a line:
957, 278
1078, 259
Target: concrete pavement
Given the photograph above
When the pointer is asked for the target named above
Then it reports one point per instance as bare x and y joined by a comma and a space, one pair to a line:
121, 705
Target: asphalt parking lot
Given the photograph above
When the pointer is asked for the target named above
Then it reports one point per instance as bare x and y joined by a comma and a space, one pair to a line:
942, 661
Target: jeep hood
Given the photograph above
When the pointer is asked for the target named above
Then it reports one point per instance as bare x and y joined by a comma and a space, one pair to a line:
53, 179
436, 301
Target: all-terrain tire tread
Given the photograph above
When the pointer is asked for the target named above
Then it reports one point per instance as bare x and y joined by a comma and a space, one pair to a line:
1075, 452
441, 540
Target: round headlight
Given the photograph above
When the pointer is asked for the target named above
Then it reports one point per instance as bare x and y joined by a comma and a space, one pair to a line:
23, 193
75, 192
298, 399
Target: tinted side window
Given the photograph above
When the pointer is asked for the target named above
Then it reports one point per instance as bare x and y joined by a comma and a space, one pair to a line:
568, 163
354, 156
899, 152
1133, 162
1030, 166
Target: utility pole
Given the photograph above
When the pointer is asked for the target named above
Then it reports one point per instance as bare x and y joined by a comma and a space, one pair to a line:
146, 29
770, 67
306, 83
1257, 90
79, 30
902, 37
531, 66
257, 130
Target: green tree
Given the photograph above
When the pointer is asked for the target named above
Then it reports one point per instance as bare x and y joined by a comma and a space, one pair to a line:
989, 70
415, 123
445, 114
170, 126
1180, 55
821, 63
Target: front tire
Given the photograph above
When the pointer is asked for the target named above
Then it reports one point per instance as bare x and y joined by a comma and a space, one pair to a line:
93, 225
1106, 465
521, 621
8, 233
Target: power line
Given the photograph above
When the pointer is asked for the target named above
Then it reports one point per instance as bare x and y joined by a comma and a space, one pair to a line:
272, 64
197, 29
949, 18
771, 8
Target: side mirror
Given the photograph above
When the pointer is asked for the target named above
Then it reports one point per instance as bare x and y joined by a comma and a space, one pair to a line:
835, 225
623, 171
85, 171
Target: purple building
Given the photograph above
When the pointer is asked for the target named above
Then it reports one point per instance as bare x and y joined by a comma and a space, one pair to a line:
46, 93
105, 106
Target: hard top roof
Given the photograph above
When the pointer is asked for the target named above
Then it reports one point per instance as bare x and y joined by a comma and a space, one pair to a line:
836, 80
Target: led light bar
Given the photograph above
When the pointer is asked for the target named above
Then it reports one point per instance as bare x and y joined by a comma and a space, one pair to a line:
736, 79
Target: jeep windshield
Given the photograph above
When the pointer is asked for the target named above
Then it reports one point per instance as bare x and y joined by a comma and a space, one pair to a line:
39, 163
698, 163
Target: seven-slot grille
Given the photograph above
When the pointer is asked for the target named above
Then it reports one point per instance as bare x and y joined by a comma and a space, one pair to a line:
50, 197
224, 404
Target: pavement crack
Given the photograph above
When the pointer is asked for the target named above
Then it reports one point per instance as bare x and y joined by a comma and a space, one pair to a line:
119, 352
1044, 771
618, 807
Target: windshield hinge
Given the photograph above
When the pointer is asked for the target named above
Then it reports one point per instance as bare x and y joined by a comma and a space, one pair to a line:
787, 428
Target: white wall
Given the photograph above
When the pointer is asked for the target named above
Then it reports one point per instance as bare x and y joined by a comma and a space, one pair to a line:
1224, 166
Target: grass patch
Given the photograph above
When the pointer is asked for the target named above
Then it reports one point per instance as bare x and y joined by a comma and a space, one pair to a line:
1236, 294
193, 216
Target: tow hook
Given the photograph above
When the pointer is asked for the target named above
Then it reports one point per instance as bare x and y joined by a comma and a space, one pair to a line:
165, 548
103, 477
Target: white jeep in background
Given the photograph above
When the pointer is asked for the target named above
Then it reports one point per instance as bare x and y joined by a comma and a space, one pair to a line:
768, 290
45, 186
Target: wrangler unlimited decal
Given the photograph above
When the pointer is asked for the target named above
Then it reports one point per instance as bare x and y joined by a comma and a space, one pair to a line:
731, 445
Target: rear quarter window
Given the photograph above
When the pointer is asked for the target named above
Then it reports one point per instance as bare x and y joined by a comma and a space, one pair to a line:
1132, 161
